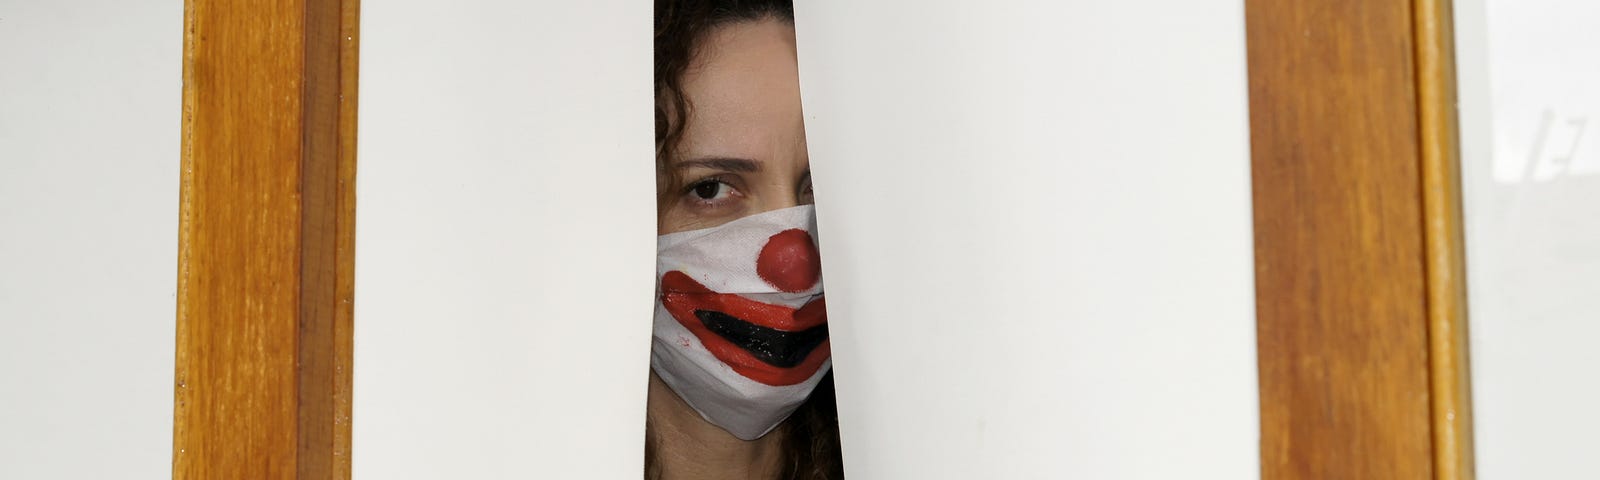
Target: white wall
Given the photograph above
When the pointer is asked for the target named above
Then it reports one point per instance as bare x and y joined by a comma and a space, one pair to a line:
89, 112
1035, 227
505, 239
1530, 114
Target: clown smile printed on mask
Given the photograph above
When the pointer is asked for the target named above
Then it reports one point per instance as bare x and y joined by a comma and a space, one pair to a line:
741, 332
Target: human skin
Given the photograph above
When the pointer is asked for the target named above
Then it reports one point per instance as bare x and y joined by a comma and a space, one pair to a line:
743, 152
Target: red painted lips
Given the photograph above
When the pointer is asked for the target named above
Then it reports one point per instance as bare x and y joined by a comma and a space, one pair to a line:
684, 298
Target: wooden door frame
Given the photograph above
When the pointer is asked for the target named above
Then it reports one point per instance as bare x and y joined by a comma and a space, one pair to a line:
1361, 313
266, 240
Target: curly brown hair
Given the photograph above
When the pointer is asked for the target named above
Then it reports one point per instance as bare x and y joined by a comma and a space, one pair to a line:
811, 433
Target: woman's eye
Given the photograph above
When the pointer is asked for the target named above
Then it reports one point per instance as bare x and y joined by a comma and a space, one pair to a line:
711, 190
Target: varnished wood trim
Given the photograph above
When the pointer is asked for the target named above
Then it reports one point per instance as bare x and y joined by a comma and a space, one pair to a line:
1342, 315
266, 240
327, 246
1441, 200
349, 40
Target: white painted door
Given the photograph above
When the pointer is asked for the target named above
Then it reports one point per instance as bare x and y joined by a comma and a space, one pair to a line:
1035, 227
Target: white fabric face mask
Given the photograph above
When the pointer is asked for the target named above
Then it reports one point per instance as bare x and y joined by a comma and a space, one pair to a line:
740, 329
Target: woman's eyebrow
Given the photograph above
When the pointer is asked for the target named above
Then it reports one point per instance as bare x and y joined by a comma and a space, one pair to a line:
741, 165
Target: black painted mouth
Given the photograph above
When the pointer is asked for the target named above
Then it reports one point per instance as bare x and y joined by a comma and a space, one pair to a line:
772, 346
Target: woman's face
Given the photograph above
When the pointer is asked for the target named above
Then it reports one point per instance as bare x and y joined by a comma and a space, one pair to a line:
743, 150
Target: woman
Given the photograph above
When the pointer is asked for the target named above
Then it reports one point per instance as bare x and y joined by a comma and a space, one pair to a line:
740, 382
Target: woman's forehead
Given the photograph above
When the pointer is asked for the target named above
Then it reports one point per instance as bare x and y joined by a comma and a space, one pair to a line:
745, 92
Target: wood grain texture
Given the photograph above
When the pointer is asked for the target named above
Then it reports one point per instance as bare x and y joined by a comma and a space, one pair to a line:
1446, 257
1342, 326
266, 240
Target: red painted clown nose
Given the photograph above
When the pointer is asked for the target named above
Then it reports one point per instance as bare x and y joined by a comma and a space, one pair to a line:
789, 261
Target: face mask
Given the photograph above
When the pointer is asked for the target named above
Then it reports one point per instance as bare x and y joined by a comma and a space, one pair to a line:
740, 330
